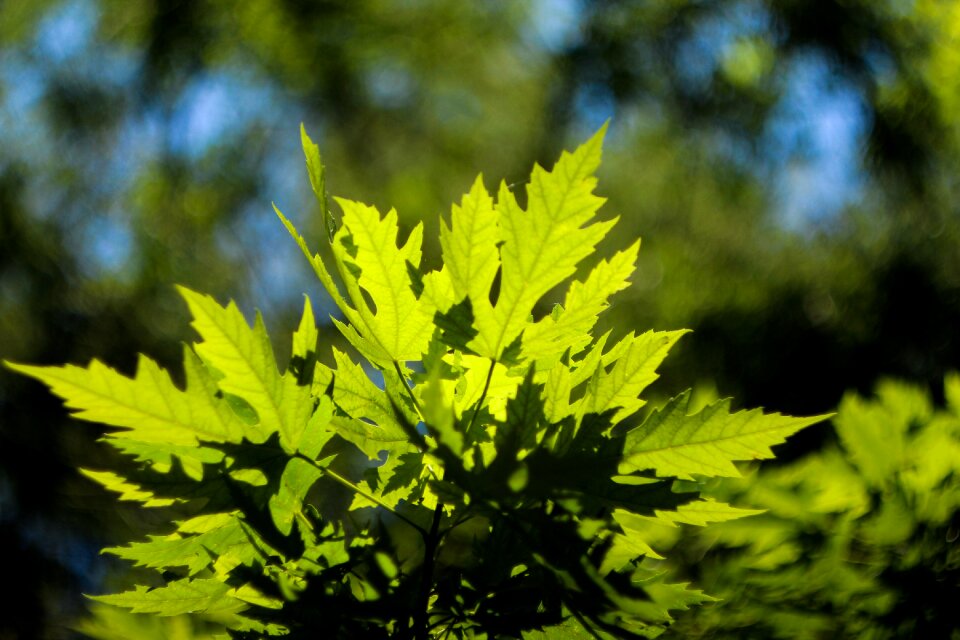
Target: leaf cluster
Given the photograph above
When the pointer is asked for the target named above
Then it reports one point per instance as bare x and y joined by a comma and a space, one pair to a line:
509, 479
857, 541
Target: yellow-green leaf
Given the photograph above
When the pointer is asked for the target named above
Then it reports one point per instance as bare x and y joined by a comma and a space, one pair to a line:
541, 245
675, 443
148, 407
244, 358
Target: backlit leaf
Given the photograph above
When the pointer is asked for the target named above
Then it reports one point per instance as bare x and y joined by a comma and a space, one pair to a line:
675, 443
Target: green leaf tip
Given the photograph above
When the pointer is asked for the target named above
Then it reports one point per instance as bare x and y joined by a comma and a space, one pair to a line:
318, 180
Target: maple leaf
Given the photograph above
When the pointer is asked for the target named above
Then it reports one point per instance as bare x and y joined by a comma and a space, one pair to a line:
244, 358
706, 443
148, 407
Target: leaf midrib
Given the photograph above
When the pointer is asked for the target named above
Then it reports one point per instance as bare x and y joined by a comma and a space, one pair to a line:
274, 405
695, 443
553, 226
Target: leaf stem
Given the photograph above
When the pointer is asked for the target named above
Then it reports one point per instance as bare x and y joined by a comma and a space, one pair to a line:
353, 487
483, 396
463, 517
416, 403
583, 622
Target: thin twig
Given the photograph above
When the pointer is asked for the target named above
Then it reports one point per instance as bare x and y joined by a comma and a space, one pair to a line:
483, 396
463, 517
583, 622
353, 487
416, 403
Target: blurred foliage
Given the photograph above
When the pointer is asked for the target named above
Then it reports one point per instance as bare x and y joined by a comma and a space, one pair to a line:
141, 142
858, 540
112, 623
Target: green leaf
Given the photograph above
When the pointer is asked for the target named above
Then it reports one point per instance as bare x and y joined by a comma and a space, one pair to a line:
371, 264
951, 391
244, 357
525, 418
585, 368
567, 629
165, 487
469, 245
635, 360
319, 429
874, 433
364, 403
160, 455
542, 245
676, 596
318, 179
184, 596
394, 324
501, 388
199, 543
556, 393
127, 490
625, 548
303, 353
436, 392
106, 622
149, 407
698, 512
570, 329
674, 443
298, 476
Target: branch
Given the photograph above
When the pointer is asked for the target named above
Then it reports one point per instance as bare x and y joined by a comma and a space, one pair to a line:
421, 621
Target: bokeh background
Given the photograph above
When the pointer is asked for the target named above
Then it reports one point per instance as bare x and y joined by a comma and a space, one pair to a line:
791, 166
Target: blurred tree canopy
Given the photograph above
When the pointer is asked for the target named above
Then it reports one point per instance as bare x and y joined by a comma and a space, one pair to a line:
791, 167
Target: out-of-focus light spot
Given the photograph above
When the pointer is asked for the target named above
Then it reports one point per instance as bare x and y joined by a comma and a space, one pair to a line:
555, 24
698, 55
390, 87
22, 86
815, 142
649, 273
747, 61
718, 41
106, 246
213, 107
593, 105
66, 32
